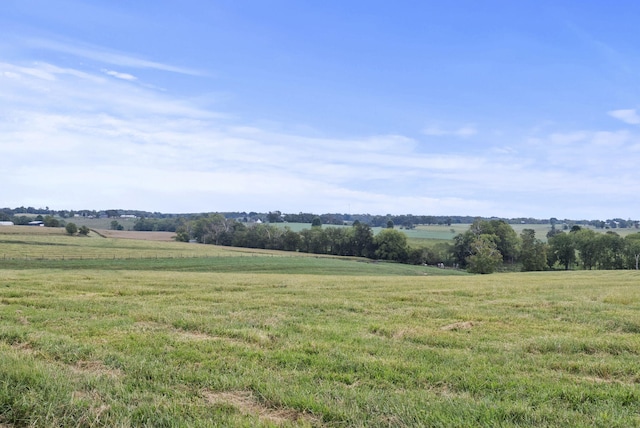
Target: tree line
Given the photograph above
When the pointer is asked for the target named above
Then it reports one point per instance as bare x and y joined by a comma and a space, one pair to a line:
357, 240
407, 221
487, 246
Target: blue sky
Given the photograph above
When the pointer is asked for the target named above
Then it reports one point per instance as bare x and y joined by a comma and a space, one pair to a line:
492, 108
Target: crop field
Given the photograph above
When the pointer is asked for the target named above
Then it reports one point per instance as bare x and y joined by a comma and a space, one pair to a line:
168, 334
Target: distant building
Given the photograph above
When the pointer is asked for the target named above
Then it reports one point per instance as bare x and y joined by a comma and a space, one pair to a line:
36, 223
6, 223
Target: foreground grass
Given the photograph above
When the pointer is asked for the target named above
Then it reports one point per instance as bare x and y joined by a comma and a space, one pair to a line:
130, 347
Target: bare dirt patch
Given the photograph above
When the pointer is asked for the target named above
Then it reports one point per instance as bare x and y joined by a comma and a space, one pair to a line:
247, 404
134, 234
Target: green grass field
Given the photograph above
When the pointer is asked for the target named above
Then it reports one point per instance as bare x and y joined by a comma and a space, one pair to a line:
227, 338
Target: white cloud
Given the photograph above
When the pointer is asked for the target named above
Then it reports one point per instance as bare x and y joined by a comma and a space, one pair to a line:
629, 116
464, 131
119, 75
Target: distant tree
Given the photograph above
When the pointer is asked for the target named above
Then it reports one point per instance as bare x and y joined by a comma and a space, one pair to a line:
586, 242
116, 226
339, 239
274, 217
632, 249
507, 241
83, 230
485, 256
562, 249
182, 234
290, 240
533, 253
461, 249
71, 228
144, 224
419, 256
391, 245
361, 240
316, 222
610, 250
390, 224
553, 232
51, 222
314, 240
504, 237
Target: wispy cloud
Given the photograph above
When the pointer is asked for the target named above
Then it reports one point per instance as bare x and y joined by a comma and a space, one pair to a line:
107, 56
629, 116
464, 131
118, 75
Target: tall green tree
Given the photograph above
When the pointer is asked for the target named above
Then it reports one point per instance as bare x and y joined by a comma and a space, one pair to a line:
562, 250
314, 240
485, 256
71, 228
361, 244
533, 253
610, 251
588, 246
462, 247
391, 245
632, 250
50, 221
504, 237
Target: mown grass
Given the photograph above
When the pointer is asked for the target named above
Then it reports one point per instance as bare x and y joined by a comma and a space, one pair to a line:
35, 243
139, 345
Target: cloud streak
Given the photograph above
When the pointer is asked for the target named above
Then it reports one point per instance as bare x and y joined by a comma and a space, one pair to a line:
118, 75
107, 56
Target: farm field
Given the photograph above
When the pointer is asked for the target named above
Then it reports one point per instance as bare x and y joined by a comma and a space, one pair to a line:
147, 333
429, 235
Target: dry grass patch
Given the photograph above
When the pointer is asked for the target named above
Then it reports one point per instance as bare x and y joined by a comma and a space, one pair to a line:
143, 236
247, 404
96, 368
97, 410
23, 347
464, 325
151, 326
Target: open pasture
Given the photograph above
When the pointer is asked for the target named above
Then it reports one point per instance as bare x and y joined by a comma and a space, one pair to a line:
23, 242
135, 344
